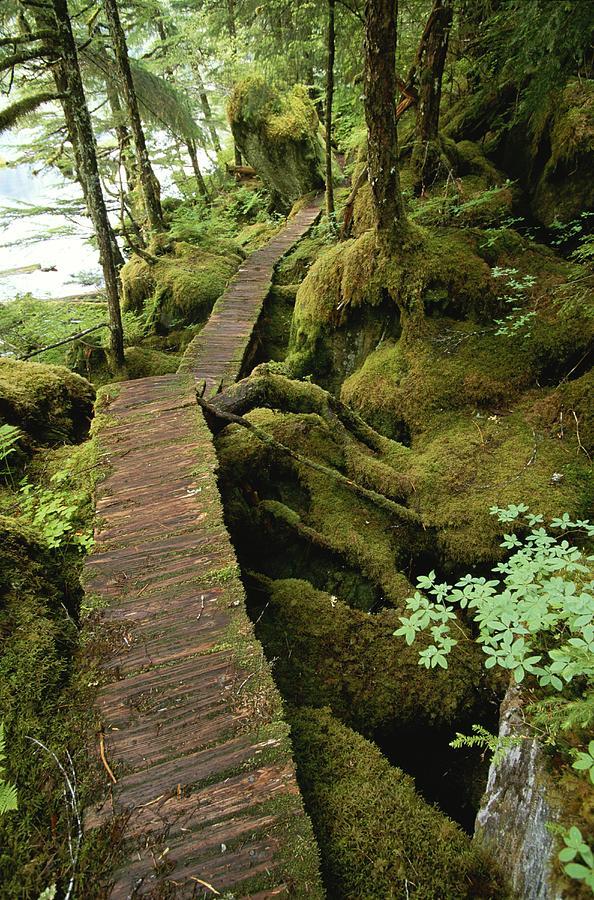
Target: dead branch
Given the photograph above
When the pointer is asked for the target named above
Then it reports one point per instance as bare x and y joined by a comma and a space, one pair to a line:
73, 337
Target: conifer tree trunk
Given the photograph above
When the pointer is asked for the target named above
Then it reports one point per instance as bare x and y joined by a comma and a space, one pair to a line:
231, 28
192, 152
87, 159
206, 110
380, 115
148, 181
432, 57
329, 98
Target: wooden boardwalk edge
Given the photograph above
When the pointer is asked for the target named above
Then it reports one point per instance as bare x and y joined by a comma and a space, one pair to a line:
193, 724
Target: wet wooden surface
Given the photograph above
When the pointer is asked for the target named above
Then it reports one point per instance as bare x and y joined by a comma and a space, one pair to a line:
216, 354
205, 789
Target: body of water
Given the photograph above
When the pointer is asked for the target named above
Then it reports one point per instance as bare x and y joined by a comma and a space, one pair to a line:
57, 240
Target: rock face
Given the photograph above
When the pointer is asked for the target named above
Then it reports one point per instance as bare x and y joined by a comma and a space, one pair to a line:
279, 135
515, 810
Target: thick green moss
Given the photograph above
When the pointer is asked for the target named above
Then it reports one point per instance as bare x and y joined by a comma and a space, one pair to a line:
378, 839
477, 436
566, 186
142, 361
330, 655
279, 136
354, 296
179, 289
272, 498
50, 403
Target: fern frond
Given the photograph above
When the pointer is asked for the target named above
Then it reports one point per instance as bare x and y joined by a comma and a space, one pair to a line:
8, 798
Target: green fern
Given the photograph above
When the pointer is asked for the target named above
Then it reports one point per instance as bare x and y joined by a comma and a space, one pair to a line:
8, 792
10, 435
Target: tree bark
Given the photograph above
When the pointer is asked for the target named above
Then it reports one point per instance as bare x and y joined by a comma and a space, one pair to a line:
206, 110
87, 160
191, 147
329, 98
380, 115
148, 181
431, 62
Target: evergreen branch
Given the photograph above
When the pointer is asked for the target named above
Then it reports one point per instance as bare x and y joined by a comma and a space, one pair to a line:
26, 38
11, 115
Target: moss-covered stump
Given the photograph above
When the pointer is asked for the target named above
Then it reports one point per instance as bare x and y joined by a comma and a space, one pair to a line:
330, 655
180, 288
49, 403
378, 839
354, 296
279, 136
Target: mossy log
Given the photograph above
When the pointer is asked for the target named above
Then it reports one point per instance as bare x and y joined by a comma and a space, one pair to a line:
378, 838
330, 655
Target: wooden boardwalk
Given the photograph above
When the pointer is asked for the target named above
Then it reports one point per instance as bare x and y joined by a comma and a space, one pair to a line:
192, 723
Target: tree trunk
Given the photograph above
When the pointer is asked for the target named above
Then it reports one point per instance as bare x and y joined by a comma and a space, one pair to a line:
191, 147
329, 97
431, 64
122, 133
206, 110
87, 160
380, 115
148, 181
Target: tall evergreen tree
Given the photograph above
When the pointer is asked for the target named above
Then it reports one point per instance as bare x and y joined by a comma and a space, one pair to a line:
148, 180
380, 115
87, 161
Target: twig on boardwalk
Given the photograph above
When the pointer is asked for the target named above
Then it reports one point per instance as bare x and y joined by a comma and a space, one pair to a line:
401, 512
104, 758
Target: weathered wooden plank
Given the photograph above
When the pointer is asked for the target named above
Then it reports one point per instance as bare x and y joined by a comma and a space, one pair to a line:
191, 721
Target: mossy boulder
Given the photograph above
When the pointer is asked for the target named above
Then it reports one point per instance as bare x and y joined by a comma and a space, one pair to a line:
378, 838
330, 655
279, 135
180, 288
143, 361
50, 404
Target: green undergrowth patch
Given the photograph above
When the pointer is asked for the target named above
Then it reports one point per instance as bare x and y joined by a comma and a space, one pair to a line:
377, 837
45, 689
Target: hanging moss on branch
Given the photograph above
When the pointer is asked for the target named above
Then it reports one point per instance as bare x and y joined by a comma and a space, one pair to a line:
278, 134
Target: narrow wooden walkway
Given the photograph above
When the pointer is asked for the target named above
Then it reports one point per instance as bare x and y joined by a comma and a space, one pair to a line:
192, 722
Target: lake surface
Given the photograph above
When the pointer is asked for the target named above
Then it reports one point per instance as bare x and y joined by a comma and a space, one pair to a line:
49, 239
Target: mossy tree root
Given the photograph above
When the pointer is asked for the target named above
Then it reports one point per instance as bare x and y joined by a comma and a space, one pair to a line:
396, 509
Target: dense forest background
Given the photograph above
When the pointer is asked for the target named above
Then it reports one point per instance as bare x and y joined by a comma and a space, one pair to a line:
420, 556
